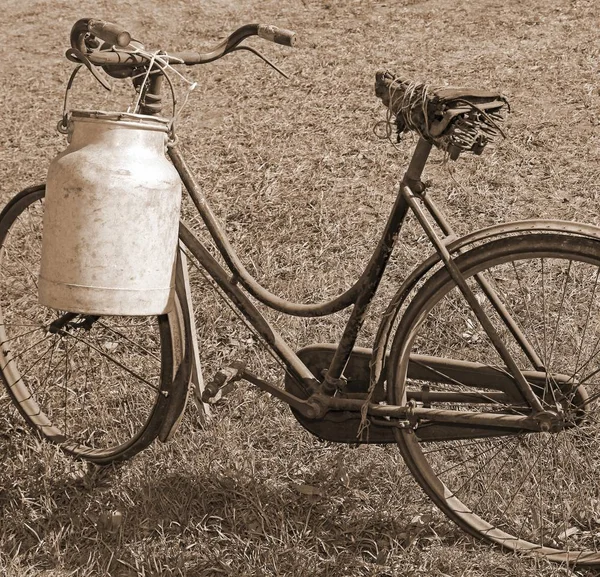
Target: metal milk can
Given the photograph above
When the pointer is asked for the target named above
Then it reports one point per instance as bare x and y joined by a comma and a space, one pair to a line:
111, 218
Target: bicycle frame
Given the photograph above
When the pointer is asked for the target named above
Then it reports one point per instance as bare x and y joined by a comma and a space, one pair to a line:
320, 394
237, 283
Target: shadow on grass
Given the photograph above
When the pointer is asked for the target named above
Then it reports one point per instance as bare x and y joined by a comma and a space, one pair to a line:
216, 522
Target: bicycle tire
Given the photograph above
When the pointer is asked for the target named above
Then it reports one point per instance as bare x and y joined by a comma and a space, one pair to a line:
535, 493
99, 391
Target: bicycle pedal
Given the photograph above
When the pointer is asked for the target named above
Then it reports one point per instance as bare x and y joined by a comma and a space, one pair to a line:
223, 382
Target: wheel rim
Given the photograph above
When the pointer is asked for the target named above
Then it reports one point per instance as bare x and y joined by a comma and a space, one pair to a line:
93, 385
527, 492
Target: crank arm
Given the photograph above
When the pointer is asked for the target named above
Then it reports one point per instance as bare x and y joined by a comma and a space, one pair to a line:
225, 378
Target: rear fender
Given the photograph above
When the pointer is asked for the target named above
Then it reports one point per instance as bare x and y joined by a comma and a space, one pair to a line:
460, 244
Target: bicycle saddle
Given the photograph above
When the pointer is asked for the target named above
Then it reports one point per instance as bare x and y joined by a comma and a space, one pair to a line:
454, 119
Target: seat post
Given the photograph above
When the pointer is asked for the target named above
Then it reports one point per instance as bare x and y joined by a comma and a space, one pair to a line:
412, 178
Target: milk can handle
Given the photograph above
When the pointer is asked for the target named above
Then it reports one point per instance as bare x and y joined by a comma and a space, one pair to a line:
63, 123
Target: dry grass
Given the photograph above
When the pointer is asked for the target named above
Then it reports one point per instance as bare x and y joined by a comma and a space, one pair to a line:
303, 185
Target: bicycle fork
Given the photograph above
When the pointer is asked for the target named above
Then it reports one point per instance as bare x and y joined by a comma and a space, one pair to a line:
413, 190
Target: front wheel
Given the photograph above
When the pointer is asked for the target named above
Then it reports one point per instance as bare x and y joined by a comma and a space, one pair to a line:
99, 387
534, 492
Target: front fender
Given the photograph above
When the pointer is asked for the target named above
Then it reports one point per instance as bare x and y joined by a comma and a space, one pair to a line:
188, 374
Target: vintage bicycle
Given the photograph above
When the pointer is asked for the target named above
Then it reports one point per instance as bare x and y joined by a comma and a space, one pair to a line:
485, 365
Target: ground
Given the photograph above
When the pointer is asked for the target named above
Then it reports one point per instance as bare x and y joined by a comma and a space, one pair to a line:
295, 171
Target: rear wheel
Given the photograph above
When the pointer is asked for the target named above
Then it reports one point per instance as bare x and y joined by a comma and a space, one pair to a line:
526, 491
97, 386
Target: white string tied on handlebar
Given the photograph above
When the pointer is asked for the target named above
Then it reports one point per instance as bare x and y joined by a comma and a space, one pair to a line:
146, 76
158, 58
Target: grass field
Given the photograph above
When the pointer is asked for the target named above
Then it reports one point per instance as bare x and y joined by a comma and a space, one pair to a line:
294, 170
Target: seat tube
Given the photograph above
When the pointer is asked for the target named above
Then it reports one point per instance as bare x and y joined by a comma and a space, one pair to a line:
412, 177
375, 269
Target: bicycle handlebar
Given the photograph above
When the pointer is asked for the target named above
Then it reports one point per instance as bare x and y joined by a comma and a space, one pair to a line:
117, 36
111, 33
278, 35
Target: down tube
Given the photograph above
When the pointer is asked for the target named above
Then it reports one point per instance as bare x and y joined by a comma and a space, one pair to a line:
227, 283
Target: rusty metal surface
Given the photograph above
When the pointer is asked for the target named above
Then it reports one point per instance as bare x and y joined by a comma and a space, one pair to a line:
351, 368
303, 376
482, 317
511, 324
343, 422
522, 244
346, 370
369, 283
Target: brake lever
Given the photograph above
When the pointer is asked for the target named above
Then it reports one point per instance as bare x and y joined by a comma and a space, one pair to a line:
80, 58
263, 58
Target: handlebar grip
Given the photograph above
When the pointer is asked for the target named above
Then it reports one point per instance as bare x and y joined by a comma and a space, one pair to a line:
278, 35
111, 33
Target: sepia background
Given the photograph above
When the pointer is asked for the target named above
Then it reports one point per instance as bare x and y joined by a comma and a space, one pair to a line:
302, 182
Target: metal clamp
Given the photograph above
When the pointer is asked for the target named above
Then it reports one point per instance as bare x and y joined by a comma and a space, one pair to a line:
332, 385
393, 423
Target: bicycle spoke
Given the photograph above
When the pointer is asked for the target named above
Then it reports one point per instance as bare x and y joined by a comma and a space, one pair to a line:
470, 458
587, 320
526, 303
32, 365
33, 275
504, 464
92, 388
517, 488
490, 459
20, 335
596, 349
560, 311
66, 380
544, 316
14, 357
488, 365
474, 394
131, 341
119, 364
535, 491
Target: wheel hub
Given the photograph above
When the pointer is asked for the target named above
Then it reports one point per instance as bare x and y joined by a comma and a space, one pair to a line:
72, 321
